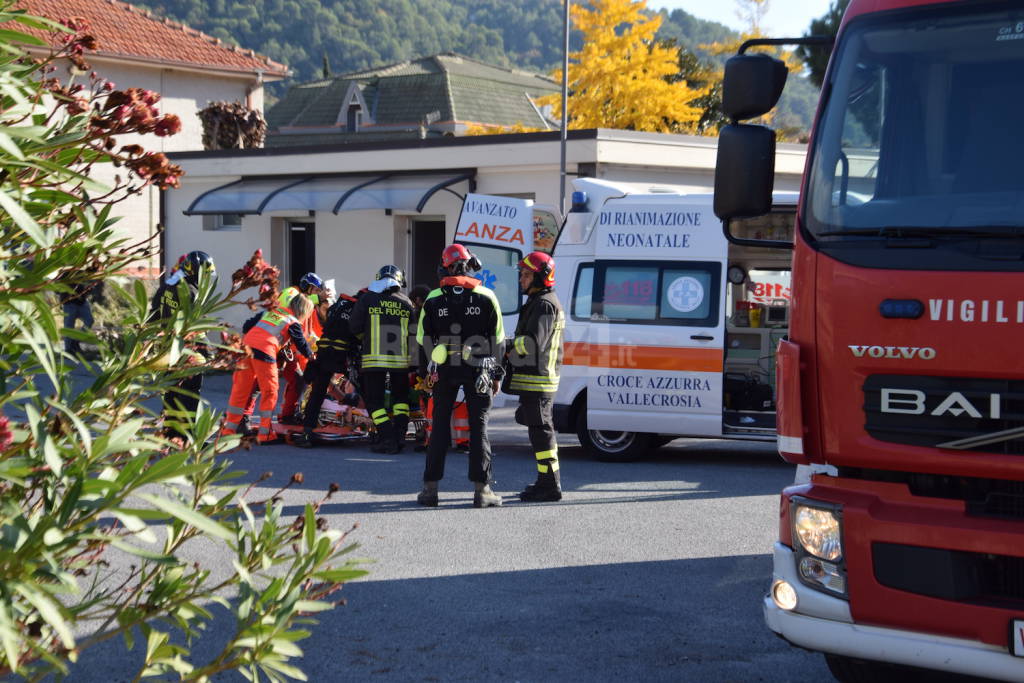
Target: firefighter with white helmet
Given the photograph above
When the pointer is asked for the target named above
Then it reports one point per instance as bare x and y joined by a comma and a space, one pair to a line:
381, 318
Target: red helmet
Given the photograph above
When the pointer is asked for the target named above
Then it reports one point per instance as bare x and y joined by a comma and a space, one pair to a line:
542, 265
454, 254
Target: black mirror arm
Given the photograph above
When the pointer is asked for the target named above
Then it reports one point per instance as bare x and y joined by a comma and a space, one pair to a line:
805, 40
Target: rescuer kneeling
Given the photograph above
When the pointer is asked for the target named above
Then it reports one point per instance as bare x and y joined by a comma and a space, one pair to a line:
263, 342
535, 360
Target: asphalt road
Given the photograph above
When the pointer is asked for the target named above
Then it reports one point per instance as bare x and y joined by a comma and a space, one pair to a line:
651, 571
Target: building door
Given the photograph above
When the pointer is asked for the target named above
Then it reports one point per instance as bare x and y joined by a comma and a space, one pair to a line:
427, 244
301, 252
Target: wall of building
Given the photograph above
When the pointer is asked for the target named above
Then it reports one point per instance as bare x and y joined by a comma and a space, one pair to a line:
182, 93
353, 245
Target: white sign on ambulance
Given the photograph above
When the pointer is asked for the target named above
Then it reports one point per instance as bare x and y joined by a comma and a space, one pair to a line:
498, 221
666, 230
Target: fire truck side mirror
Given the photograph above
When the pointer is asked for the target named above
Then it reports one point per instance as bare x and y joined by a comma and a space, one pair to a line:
752, 85
744, 171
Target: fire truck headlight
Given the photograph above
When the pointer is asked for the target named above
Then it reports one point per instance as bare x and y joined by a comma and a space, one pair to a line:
783, 595
819, 531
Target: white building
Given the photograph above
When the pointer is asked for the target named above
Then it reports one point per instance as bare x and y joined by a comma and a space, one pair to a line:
188, 68
346, 210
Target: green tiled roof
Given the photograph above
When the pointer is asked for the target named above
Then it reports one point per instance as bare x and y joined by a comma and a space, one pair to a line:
446, 88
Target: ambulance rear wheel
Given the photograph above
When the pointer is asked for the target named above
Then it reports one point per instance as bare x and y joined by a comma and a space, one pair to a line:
612, 446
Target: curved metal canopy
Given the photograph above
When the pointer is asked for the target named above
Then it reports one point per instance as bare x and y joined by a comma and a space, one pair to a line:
256, 195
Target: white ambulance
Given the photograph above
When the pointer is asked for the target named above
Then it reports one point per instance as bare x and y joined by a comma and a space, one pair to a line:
670, 329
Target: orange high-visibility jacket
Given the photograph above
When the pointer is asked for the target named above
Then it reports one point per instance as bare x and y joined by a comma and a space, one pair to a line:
271, 332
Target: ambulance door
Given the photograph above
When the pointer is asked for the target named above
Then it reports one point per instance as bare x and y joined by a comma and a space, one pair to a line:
657, 334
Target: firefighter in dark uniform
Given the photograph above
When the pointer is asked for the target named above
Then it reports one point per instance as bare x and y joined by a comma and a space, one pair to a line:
535, 360
381, 318
460, 329
334, 352
181, 286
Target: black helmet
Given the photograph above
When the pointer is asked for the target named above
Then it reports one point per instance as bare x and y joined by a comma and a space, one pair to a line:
393, 272
194, 263
309, 281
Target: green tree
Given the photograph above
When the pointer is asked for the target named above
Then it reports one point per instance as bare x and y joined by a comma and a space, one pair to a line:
816, 58
95, 506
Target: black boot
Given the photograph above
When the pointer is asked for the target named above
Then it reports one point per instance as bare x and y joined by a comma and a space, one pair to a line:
401, 427
428, 496
245, 429
386, 441
305, 440
547, 489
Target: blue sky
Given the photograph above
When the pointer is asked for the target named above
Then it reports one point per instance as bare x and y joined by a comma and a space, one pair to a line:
784, 18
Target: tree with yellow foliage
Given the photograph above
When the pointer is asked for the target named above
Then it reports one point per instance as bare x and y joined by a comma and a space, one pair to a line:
752, 12
621, 78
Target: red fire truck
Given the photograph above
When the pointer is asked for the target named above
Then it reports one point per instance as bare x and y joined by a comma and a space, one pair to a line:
901, 383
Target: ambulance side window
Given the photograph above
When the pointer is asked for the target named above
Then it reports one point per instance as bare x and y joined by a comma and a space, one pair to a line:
583, 292
654, 292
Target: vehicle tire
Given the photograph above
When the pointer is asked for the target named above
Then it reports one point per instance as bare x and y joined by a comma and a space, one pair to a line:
609, 446
853, 670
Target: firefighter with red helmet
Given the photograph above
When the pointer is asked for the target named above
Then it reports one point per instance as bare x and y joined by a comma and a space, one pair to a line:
180, 286
460, 329
263, 341
535, 359
381, 318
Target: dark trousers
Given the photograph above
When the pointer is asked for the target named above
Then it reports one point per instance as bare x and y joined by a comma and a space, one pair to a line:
375, 382
319, 372
445, 393
535, 413
181, 408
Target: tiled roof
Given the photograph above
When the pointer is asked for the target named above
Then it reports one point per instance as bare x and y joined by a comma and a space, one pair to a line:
126, 32
446, 88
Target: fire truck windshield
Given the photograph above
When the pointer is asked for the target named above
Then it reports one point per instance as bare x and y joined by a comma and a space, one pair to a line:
921, 135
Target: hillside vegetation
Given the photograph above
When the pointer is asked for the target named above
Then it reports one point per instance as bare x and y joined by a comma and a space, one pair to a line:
312, 36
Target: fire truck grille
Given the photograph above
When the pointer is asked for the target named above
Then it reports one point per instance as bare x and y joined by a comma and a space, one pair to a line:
999, 498
991, 580
956, 413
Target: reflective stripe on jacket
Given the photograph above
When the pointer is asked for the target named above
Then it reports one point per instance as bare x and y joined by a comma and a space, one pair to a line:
459, 313
535, 355
383, 321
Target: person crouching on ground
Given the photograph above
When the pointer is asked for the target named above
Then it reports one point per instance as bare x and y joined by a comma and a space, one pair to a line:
535, 359
263, 342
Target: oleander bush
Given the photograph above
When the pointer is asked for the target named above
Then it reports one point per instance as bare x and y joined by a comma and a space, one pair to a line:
97, 509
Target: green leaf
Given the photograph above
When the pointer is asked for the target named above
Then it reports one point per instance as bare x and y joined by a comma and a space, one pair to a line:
340, 575
49, 611
189, 516
23, 220
313, 606
52, 536
309, 528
